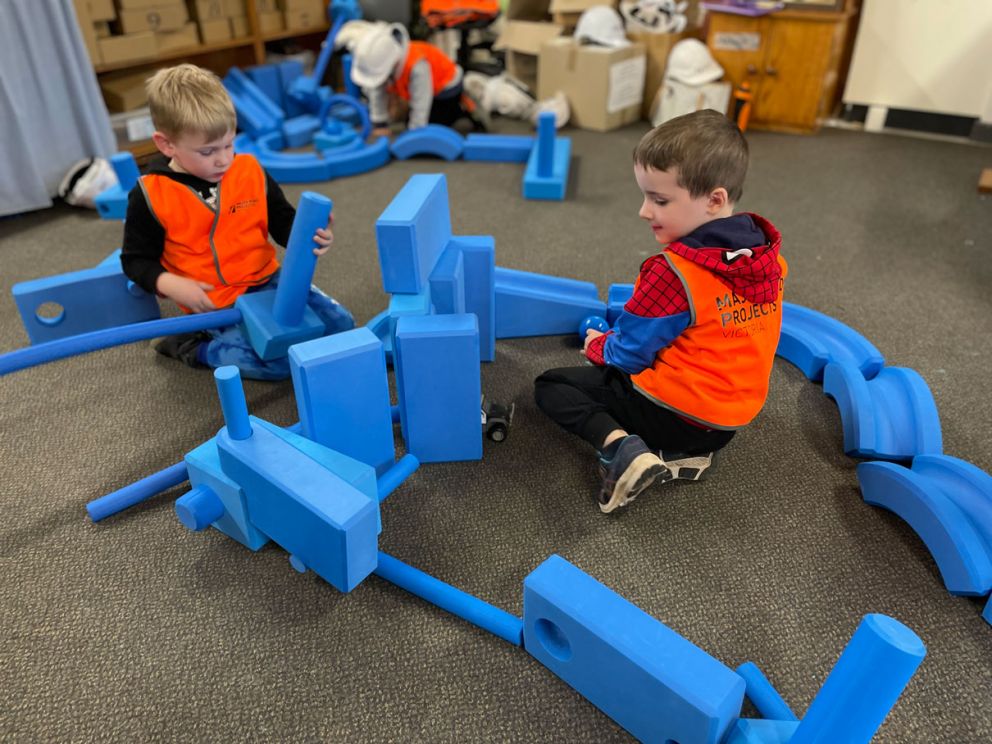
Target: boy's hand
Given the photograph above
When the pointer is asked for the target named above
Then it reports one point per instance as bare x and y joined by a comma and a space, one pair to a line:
323, 238
591, 333
381, 132
186, 292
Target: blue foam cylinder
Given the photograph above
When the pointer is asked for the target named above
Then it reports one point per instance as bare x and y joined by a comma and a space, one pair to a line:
545, 144
137, 492
232, 402
474, 610
198, 508
765, 697
395, 476
51, 351
313, 212
868, 678
126, 169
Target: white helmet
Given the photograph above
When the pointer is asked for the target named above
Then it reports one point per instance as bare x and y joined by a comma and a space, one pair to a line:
377, 54
690, 62
602, 25
352, 32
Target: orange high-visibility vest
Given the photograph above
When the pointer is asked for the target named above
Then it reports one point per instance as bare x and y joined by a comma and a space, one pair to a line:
442, 69
716, 372
228, 246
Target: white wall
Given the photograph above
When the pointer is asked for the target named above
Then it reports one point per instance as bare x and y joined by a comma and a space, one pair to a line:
926, 55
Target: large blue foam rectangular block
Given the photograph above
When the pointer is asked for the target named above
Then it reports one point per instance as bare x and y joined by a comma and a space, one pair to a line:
81, 302
645, 676
498, 148
529, 304
111, 203
411, 233
204, 468
479, 257
342, 395
436, 358
448, 282
327, 524
268, 80
553, 186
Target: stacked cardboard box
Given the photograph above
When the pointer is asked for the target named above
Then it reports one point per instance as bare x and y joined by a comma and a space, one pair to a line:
269, 16
124, 92
304, 14
212, 20
93, 16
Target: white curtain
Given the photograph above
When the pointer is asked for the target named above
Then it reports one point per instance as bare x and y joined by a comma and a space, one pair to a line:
51, 111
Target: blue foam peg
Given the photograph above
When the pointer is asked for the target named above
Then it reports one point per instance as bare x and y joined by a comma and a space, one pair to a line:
199, 507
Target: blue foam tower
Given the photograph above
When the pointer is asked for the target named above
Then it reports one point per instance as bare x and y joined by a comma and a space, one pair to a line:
546, 175
83, 301
277, 319
436, 358
643, 675
342, 394
529, 304
111, 203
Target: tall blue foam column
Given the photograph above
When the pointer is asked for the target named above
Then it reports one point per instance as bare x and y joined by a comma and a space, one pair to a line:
313, 212
232, 402
545, 144
864, 684
126, 169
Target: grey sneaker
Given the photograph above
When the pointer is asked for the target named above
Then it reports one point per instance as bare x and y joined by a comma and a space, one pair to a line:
688, 467
183, 347
631, 470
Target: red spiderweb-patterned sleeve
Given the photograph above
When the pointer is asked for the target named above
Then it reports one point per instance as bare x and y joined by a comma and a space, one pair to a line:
594, 351
658, 292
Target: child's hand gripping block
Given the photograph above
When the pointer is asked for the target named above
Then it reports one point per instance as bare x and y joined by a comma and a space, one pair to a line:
645, 676
327, 523
277, 319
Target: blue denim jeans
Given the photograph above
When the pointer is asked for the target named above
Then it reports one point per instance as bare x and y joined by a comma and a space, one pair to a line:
230, 345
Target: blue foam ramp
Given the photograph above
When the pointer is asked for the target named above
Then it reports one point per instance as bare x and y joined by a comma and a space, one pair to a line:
656, 684
551, 187
434, 140
810, 340
411, 233
326, 524
447, 282
890, 417
82, 302
760, 731
204, 468
436, 358
959, 550
529, 304
616, 297
498, 148
256, 113
342, 395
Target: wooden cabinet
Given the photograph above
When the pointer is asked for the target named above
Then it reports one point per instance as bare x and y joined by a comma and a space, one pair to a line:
792, 61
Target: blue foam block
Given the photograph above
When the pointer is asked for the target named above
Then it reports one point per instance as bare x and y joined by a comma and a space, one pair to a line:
656, 684
961, 553
890, 417
447, 282
529, 304
756, 731
326, 524
987, 612
268, 337
810, 340
436, 358
289, 71
204, 468
479, 257
342, 395
111, 203
434, 140
81, 302
411, 233
551, 187
966, 486
256, 113
299, 131
498, 148
327, 143
268, 80
616, 298
403, 305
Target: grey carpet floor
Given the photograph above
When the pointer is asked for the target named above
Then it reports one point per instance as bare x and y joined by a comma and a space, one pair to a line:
135, 629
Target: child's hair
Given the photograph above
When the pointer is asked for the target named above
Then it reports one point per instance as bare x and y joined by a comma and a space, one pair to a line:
187, 99
707, 148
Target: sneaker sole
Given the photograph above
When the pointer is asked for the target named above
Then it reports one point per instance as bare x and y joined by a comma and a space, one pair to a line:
639, 475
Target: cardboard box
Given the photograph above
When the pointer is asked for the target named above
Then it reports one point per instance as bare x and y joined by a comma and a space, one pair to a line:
604, 86
266, 6
216, 30
184, 38
136, 4
124, 92
240, 27
675, 99
528, 10
127, 47
87, 31
102, 10
657, 47
165, 17
207, 10
270, 21
522, 41
306, 15
102, 29
235, 9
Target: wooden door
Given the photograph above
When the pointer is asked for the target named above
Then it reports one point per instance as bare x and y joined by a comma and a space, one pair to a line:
739, 44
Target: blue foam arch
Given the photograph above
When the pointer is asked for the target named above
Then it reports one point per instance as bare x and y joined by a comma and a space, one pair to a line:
434, 139
890, 417
968, 487
959, 551
810, 340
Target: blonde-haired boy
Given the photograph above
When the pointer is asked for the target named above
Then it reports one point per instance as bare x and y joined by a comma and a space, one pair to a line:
198, 223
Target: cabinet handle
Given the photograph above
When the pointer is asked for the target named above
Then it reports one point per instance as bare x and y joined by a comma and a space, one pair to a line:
771, 71
752, 70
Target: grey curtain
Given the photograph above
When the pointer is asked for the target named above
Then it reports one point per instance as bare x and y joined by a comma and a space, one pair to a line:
51, 111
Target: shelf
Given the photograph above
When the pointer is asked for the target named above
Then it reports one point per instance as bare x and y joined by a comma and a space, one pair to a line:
190, 51
277, 35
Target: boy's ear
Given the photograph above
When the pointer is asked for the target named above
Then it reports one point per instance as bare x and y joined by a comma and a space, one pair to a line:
164, 144
719, 198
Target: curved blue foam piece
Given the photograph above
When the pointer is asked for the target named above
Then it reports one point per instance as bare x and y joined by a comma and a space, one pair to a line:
890, 417
810, 340
434, 139
958, 549
968, 487
353, 162
330, 108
